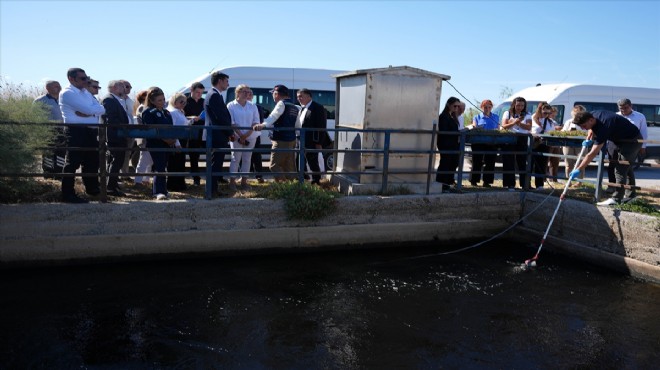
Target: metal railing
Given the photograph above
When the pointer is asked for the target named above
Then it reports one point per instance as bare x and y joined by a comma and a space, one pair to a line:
494, 138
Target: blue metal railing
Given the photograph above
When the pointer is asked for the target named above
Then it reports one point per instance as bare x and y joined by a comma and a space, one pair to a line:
465, 137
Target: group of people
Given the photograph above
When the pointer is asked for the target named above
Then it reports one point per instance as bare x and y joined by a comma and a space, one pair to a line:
235, 126
617, 132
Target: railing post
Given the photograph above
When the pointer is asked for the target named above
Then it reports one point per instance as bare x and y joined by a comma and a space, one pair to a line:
103, 160
528, 163
461, 159
599, 175
301, 156
386, 162
431, 156
209, 188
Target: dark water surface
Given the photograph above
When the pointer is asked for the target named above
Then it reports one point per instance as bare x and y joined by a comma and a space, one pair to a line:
339, 310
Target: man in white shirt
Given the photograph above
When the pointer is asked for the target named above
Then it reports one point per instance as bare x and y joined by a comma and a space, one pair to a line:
637, 119
80, 110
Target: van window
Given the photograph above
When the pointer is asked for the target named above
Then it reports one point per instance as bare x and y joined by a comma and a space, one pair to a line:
531, 108
264, 98
591, 106
651, 112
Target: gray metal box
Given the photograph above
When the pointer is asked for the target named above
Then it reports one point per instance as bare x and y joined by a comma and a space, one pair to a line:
386, 98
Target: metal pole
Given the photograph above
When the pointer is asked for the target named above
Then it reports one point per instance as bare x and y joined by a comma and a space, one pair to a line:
301, 156
528, 163
599, 175
431, 156
103, 160
386, 162
209, 188
461, 159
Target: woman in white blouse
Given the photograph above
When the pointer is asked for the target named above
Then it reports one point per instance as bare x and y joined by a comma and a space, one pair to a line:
244, 115
517, 120
570, 151
177, 160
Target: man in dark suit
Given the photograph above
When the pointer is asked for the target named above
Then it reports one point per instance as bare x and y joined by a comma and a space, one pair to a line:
115, 114
217, 114
312, 116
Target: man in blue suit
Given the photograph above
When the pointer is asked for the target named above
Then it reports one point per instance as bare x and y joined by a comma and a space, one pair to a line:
115, 114
313, 116
218, 115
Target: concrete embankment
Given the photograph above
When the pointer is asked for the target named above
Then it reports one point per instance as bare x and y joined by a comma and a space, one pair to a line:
65, 233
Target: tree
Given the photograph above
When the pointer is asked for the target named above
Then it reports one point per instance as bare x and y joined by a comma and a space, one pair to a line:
505, 92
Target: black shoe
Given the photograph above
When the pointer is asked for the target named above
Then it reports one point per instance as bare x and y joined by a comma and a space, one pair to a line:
223, 181
93, 192
485, 185
73, 199
197, 181
475, 184
116, 193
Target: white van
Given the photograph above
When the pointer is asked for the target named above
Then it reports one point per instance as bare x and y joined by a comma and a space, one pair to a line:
565, 96
262, 79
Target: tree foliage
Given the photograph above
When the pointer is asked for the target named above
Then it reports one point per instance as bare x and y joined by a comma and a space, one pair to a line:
24, 131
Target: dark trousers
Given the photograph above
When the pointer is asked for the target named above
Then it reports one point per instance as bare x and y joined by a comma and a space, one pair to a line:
624, 172
312, 160
194, 157
448, 163
485, 161
540, 164
218, 160
255, 161
176, 163
511, 161
614, 159
115, 163
81, 137
160, 165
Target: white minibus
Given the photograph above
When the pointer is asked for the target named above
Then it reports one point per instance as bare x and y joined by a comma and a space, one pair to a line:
565, 96
262, 79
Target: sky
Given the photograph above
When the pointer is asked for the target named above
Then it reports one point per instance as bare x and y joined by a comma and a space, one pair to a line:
485, 46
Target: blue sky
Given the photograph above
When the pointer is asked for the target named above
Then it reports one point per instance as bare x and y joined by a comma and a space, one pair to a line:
483, 45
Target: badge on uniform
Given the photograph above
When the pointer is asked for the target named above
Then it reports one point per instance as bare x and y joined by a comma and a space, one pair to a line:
158, 114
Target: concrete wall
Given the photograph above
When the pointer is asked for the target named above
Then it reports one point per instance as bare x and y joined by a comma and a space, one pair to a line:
64, 233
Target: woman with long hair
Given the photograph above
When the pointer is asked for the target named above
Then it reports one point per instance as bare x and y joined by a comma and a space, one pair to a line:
156, 114
517, 120
177, 160
541, 124
144, 161
448, 141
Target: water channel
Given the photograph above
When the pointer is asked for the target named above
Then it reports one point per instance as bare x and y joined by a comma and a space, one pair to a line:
331, 310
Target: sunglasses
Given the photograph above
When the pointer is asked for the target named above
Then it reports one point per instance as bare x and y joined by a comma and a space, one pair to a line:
85, 78
95, 87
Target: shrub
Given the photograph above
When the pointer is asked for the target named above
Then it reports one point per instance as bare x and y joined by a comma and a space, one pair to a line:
303, 201
24, 131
